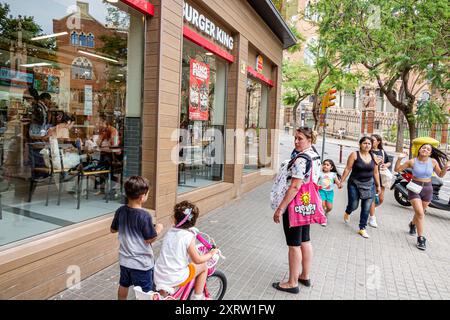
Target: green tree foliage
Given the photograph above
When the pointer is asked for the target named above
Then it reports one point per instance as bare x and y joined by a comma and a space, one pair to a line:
279, 4
298, 84
396, 41
429, 113
301, 80
9, 30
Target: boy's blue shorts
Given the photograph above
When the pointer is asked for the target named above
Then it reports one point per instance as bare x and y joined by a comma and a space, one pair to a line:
143, 279
327, 195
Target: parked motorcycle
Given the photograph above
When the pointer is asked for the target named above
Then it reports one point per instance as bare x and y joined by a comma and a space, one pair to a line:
401, 193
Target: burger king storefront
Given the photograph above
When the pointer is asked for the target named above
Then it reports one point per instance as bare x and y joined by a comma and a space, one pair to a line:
189, 95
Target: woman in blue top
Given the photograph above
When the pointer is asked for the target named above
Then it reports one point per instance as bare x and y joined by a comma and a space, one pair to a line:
429, 159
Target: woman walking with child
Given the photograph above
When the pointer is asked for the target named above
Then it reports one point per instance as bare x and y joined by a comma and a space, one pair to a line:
364, 178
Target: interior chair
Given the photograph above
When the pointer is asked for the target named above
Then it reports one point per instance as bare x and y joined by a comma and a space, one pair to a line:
40, 172
92, 169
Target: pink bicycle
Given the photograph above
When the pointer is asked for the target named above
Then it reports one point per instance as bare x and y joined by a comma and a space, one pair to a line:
216, 282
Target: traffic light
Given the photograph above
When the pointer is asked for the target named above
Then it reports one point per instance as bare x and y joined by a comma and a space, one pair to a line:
328, 100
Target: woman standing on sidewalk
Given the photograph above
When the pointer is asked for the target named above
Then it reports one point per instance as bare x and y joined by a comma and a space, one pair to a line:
383, 163
428, 159
297, 238
364, 171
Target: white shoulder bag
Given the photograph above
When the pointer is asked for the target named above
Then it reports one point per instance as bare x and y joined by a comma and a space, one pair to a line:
414, 187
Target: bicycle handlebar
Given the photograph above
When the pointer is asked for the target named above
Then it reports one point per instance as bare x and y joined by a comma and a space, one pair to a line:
204, 242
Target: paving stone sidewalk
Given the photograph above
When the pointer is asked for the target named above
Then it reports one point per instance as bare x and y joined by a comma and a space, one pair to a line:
345, 266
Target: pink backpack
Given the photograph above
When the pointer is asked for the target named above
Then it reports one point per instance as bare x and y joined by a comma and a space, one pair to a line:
306, 208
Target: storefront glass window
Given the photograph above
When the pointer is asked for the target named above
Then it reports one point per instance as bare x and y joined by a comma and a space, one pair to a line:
202, 119
256, 133
65, 93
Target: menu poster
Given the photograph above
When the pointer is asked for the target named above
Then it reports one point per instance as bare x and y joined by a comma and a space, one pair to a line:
46, 83
198, 91
88, 100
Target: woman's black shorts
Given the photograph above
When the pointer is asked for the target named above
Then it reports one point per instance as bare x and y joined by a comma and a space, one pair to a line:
295, 235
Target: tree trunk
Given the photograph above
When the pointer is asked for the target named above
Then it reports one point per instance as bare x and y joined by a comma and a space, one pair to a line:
316, 105
412, 128
400, 130
316, 113
294, 111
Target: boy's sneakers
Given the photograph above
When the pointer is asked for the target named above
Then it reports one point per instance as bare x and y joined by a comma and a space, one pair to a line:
421, 243
373, 222
363, 233
412, 229
346, 218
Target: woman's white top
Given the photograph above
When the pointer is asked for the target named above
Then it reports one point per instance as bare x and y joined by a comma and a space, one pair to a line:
171, 267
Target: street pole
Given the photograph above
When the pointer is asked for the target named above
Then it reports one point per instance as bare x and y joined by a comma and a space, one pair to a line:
324, 132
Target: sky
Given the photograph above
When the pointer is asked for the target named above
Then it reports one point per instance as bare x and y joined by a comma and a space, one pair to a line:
44, 11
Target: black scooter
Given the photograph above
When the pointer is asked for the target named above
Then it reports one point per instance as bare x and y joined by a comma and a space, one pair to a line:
401, 193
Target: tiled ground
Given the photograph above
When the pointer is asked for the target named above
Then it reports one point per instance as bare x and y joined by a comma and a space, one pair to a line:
345, 266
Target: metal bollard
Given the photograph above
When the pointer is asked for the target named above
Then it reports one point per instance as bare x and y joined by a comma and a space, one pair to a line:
340, 153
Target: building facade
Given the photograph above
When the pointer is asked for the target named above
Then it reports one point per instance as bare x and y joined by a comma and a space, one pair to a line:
184, 93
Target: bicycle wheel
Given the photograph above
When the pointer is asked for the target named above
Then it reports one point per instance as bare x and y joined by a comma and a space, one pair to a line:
216, 285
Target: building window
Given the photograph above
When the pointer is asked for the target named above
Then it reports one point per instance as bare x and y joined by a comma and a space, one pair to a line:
424, 97
202, 119
389, 106
74, 39
310, 14
309, 54
256, 133
380, 100
349, 101
90, 40
81, 69
83, 40
84, 118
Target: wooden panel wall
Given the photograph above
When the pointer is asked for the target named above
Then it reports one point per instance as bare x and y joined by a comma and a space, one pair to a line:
162, 89
40, 269
242, 18
150, 103
236, 113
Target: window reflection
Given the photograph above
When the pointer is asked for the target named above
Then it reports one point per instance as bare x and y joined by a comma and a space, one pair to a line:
202, 118
256, 133
63, 105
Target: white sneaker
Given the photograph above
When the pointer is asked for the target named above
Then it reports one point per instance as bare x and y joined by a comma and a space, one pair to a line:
323, 224
197, 297
373, 222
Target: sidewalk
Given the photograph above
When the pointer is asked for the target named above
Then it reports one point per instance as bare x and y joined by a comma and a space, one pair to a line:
345, 266
350, 143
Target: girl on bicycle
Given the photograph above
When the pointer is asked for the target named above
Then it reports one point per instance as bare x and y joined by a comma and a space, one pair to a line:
179, 261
